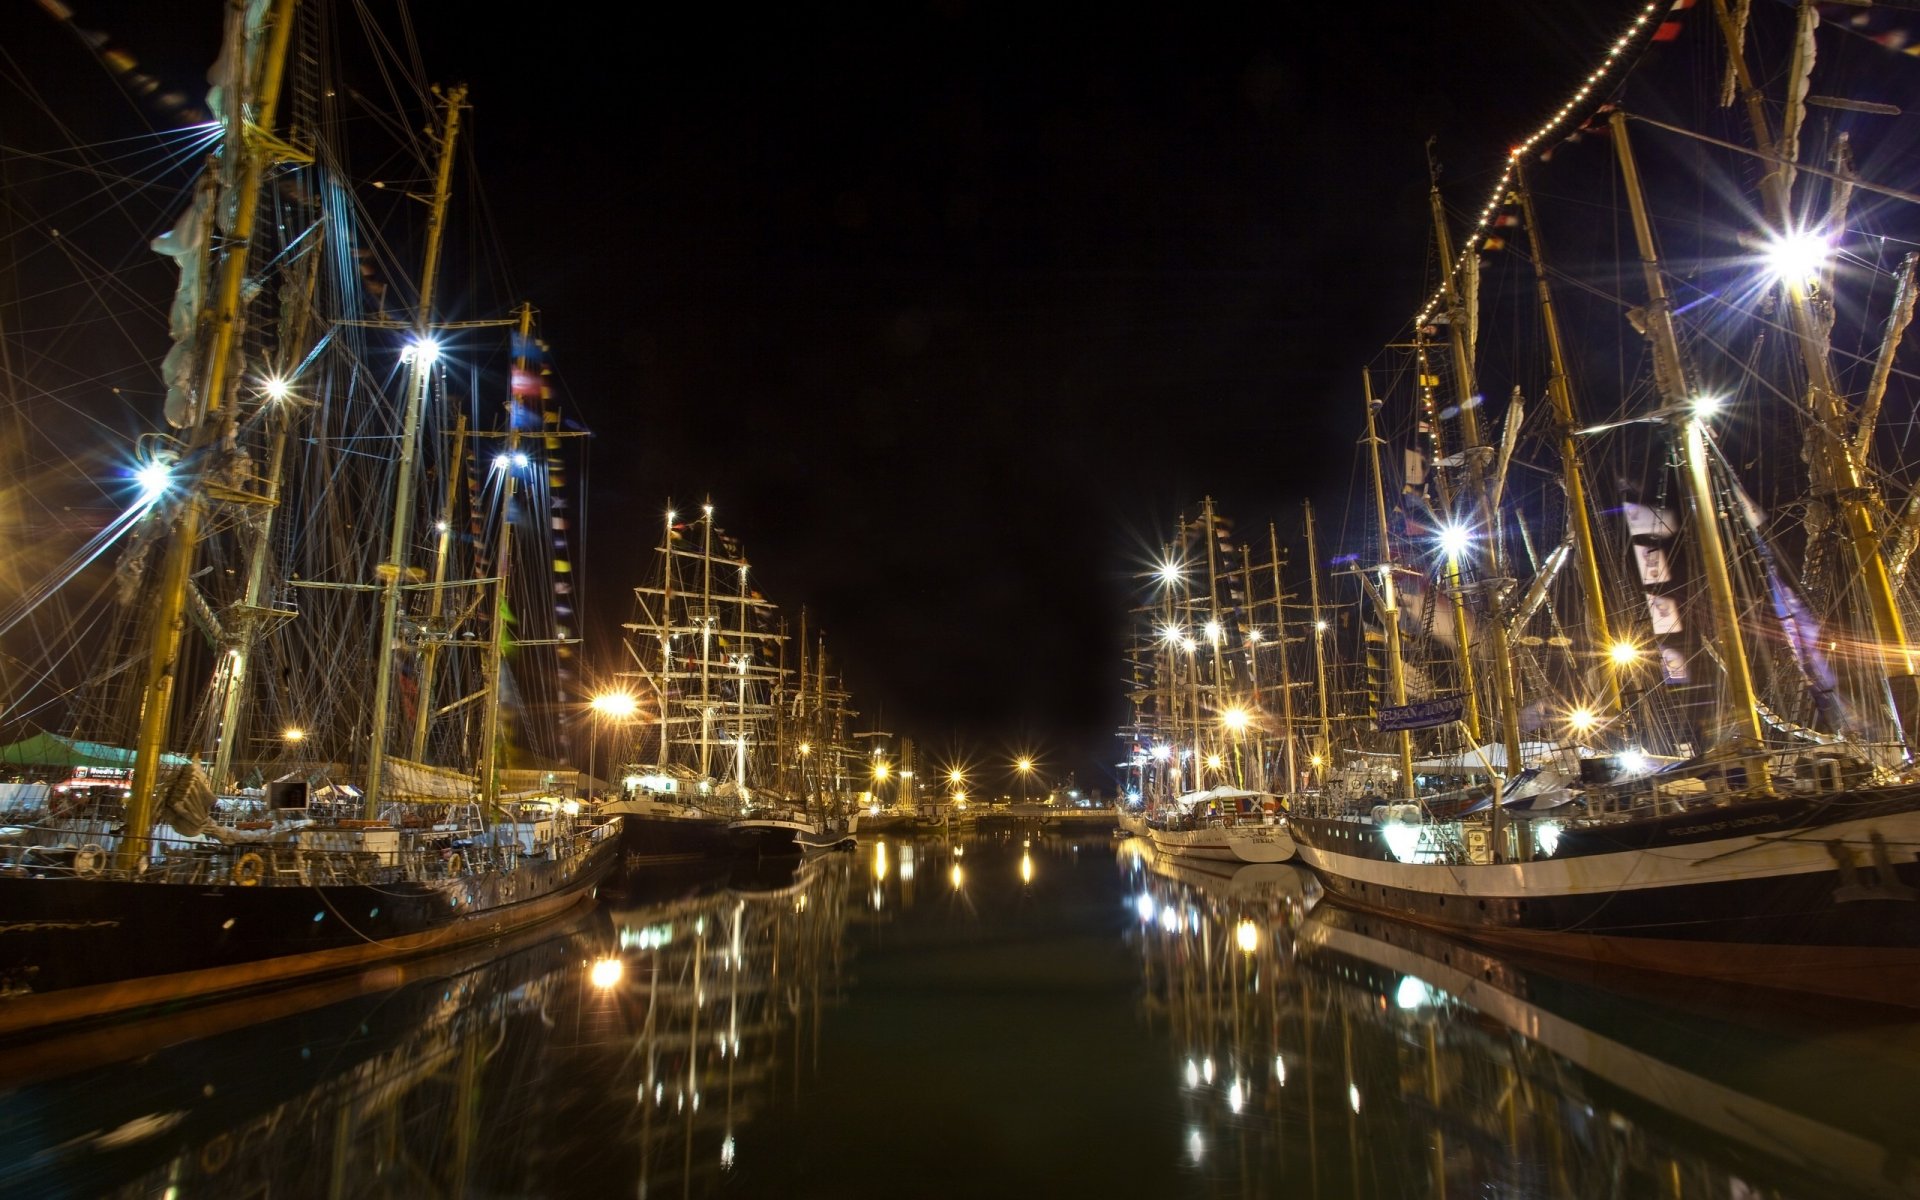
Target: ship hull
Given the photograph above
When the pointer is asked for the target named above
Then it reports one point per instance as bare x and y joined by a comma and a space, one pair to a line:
1818, 895
81, 949
653, 840
1227, 844
766, 839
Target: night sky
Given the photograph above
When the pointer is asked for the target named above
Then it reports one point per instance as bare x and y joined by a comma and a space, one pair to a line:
952, 308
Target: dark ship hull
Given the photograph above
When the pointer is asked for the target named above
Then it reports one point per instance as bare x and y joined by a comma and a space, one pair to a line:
655, 840
1818, 894
74, 949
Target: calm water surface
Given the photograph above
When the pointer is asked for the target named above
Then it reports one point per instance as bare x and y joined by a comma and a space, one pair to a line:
1017, 1013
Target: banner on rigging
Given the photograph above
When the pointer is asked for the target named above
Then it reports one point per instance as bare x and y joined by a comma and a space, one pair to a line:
1443, 710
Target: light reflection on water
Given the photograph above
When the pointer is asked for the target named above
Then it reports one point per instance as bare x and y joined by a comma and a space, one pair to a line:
1032, 1012
1363, 1057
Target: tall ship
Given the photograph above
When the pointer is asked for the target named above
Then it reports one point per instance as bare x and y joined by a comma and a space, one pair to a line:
1207, 737
741, 751
1640, 679
325, 631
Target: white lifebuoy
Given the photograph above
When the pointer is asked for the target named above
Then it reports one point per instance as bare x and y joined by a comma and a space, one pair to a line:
89, 860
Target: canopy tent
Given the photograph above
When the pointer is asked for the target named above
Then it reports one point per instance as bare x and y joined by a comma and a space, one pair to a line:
1238, 798
52, 750
1486, 760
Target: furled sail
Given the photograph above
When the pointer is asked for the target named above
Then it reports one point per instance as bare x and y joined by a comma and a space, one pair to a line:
405, 779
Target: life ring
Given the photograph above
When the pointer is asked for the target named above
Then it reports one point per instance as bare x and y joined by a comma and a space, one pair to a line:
249, 869
216, 1154
455, 864
89, 860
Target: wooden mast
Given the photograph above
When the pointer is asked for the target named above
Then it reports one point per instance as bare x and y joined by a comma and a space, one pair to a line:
1560, 395
503, 571
422, 359
249, 136
1386, 592
1286, 668
1325, 751
1476, 453
1741, 712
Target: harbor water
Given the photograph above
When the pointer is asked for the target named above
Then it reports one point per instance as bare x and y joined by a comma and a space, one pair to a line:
1018, 1012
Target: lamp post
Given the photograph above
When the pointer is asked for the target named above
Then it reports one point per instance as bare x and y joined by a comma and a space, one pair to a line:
1024, 766
881, 769
616, 705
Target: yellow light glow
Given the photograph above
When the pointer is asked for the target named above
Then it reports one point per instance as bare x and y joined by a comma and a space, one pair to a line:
954, 776
616, 704
1234, 719
881, 771
276, 388
1214, 760
1623, 654
1317, 761
806, 748
1247, 936
293, 733
1024, 765
606, 973
880, 861
1581, 719
1026, 868
957, 875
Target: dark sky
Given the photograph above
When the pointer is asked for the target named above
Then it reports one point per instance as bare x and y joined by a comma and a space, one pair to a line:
952, 308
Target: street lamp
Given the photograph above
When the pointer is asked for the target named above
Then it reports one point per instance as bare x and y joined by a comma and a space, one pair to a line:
618, 706
1024, 766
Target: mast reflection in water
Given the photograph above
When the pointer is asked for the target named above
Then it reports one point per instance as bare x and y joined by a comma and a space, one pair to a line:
1321, 1052
619, 1054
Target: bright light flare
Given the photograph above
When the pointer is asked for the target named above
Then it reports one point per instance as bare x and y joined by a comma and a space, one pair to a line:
616, 704
1169, 572
606, 973
276, 388
1797, 257
1623, 654
1454, 540
1707, 406
1213, 631
1161, 753
881, 771
1235, 719
1023, 765
1581, 720
422, 351
1246, 935
293, 733
1214, 761
154, 478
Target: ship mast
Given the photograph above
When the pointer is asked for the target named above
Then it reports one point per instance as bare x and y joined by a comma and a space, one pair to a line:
249, 136
422, 354
1325, 752
436, 595
1280, 639
1741, 712
1476, 454
503, 571
706, 640
1560, 395
1837, 462
1386, 593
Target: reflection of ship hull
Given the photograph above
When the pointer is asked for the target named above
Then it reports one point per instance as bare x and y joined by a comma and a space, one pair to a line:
79, 949
1495, 989
1794, 894
1244, 881
1226, 843
210, 1078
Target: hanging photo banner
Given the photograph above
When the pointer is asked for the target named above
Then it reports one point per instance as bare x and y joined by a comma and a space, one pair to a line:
1425, 715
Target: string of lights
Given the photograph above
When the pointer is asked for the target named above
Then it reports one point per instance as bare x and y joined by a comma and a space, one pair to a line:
1616, 52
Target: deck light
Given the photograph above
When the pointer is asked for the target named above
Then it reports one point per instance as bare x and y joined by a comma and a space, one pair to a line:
276, 388
1454, 540
1797, 257
154, 478
421, 351
1623, 654
1234, 719
1706, 406
606, 973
